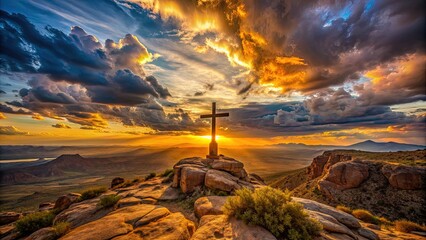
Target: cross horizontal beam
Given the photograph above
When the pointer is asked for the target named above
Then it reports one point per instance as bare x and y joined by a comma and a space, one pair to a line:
215, 115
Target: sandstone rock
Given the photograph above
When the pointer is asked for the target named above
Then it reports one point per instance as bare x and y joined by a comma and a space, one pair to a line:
154, 215
46, 206
347, 174
117, 181
191, 178
129, 201
211, 205
317, 166
368, 234
80, 213
404, 177
9, 217
220, 227
65, 201
230, 165
330, 224
345, 218
158, 192
43, 234
221, 181
256, 179
173, 226
101, 229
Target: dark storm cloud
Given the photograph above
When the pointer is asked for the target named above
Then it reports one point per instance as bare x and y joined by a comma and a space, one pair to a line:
75, 77
61, 125
6, 109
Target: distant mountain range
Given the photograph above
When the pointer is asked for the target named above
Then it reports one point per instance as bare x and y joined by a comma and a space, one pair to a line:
369, 145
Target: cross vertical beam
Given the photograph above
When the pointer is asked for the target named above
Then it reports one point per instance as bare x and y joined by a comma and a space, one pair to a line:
213, 149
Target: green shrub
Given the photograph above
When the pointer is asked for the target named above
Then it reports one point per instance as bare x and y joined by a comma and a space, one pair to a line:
167, 173
150, 176
365, 216
34, 221
61, 228
408, 226
273, 210
344, 209
108, 201
92, 193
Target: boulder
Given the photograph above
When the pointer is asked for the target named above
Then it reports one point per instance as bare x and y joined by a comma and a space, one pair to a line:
345, 218
191, 178
7, 230
9, 217
211, 205
48, 233
46, 206
154, 215
63, 202
404, 177
220, 180
117, 181
347, 175
222, 227
230, 165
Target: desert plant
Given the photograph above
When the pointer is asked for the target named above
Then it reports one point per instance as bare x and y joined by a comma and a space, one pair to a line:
92, 193
344, 209
408, 226
273, 210
108, 201
365, 216
150, 176
34, 221
61, 228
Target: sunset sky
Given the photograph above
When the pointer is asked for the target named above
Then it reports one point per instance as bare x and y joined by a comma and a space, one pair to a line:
141, 72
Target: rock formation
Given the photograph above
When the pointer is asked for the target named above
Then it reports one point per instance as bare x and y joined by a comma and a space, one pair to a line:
152, 209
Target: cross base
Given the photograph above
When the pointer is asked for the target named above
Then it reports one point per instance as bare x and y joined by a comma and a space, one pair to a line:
212, 156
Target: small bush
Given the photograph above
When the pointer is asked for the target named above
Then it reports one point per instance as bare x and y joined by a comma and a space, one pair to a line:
365, 216
344, 209
61, 228
92, 193
273, 210
167, 173
34, 221
408, 226
108, 201
150, 176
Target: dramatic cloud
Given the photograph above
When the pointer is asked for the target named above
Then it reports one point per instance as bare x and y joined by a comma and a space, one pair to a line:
300, 45
2, 116
75, 77
60, 125
37, 117
11, 130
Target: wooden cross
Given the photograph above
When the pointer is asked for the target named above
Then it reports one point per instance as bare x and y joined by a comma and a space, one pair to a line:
213, 144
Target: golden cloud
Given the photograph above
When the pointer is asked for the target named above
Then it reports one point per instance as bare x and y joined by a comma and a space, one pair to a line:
234, 37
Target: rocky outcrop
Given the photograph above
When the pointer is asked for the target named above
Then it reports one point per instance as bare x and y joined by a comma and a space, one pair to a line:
323, 162
405, 177
224, 174
46, 206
